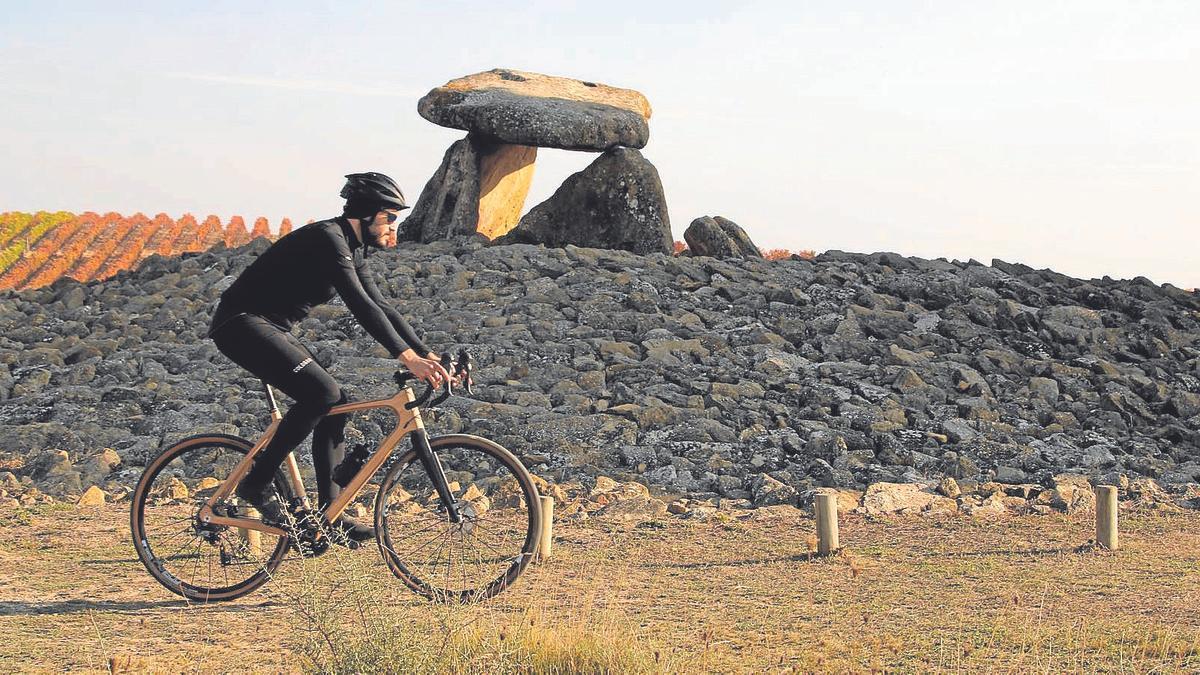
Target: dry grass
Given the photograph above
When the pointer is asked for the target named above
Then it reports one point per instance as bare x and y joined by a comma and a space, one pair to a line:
724, 595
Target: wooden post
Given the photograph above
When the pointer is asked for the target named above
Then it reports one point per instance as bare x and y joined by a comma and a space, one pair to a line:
253, 538
1106, 516
827, 524
544, 544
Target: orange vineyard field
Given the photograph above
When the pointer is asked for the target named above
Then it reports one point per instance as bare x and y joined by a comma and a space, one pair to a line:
38, 248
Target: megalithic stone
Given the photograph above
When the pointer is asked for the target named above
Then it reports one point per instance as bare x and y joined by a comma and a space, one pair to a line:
480, 186
505, 173
720, 238
617, 202
514, 106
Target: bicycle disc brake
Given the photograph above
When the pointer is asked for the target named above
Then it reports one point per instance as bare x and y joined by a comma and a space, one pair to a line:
469, 513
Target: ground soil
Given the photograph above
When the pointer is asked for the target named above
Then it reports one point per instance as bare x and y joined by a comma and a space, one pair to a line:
737, 592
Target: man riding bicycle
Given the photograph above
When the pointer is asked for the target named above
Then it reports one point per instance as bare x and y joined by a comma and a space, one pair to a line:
305, 268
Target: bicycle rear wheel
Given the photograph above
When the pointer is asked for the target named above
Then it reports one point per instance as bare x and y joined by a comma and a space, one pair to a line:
478, 557
198, 561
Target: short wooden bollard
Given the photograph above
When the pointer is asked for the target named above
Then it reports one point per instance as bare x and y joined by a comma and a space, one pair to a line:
1106, 516
547, 535
253, 538
827, 524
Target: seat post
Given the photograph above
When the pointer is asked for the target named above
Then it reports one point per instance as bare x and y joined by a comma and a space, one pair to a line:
271, 399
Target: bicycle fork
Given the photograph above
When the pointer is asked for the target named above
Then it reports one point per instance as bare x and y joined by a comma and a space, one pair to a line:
433, 467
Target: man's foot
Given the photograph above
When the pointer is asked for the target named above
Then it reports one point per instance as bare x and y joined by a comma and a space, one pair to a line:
346, 529
269, 509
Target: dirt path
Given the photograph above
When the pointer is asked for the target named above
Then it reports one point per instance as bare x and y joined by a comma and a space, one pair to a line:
727, 594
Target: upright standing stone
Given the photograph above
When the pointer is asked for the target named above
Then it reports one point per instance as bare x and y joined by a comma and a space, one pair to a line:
505, 173
480, 187
617, 202
449, 204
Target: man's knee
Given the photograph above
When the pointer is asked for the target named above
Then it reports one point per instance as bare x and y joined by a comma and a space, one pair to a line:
331, 397
319, 402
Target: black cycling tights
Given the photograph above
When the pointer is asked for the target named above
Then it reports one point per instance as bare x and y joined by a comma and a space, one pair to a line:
280, 360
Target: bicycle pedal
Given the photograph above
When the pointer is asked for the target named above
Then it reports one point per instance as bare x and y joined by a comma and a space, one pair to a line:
349, 543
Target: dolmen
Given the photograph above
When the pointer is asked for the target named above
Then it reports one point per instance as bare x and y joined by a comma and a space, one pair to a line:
480, 187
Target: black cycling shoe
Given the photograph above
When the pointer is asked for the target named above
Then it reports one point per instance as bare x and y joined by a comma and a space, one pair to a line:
349, 532
303, 526
270, 510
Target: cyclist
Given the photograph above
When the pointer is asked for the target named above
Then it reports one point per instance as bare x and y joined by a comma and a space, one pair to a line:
305, 268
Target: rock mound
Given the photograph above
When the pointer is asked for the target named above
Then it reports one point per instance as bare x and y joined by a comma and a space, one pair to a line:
730, 379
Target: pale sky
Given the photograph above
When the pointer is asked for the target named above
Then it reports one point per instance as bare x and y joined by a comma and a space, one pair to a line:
1057, 134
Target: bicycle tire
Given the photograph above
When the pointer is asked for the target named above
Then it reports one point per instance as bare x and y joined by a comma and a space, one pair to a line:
506, 504
178, 526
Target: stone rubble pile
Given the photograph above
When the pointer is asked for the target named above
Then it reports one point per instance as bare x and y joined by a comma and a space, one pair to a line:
714, 382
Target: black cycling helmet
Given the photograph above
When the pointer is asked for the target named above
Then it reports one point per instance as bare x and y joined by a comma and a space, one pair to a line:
373, 189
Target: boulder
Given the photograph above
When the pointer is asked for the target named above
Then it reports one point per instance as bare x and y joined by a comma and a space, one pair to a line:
55, 473
719, 237
949, 487
93, 496
848, 500
1072, 493
99, 466
480, 187
1146, 492
511, 106
902, 498
769, 491
617, 202
634, 509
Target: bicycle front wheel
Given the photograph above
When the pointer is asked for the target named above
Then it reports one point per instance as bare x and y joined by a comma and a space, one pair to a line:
473, 559
198, 561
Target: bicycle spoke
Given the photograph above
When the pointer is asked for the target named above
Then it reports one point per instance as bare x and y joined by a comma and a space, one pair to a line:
210, 574
425, 529
174, 553
195, 562
449, 558
178, 519
421, 547
174, 537
466, 584
496, 539
470, 559
163, 523
485, 543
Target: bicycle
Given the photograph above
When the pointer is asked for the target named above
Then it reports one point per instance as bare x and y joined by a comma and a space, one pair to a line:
457, 517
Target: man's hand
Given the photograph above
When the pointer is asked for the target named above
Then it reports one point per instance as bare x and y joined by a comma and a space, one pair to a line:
457, 377
428, 370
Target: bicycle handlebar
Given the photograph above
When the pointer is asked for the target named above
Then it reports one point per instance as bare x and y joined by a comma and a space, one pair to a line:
461, 367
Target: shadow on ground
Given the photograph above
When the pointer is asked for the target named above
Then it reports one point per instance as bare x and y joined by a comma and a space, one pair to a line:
19, 608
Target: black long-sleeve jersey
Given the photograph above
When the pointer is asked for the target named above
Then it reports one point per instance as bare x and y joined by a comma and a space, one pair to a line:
305, 268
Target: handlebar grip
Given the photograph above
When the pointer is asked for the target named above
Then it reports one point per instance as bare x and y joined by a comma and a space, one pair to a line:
402, 378
463, 367
445, 395
420, 399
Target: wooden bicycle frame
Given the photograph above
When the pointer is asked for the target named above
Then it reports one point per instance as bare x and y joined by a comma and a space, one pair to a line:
407, 421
